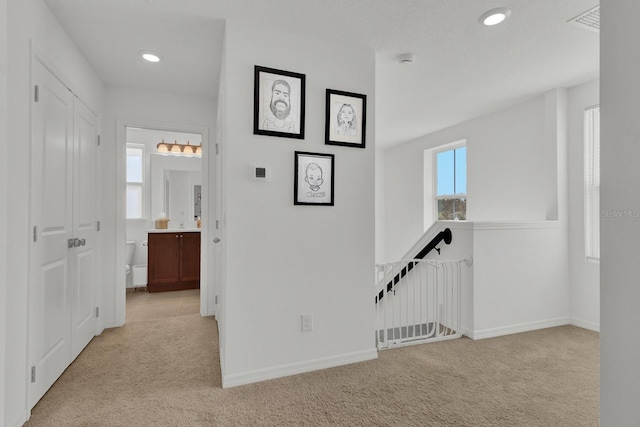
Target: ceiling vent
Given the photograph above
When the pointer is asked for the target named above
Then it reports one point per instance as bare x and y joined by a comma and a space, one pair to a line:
589, 19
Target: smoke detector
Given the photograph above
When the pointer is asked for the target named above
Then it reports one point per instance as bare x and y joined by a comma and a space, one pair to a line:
589, 20
406, 58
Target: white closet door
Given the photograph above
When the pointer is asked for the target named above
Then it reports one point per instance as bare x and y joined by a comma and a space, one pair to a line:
83, 263
51, 221
63, 249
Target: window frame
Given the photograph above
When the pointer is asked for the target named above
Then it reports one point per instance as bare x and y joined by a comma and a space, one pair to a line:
592, 184
141, 184
459, 196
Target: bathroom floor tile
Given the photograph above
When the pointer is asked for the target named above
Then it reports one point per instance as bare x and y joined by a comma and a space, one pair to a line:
137, 297
191, 293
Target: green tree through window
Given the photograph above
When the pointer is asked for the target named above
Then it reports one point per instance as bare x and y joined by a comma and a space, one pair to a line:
451, 184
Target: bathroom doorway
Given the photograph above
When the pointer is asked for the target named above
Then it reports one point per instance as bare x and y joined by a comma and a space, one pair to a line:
164, 174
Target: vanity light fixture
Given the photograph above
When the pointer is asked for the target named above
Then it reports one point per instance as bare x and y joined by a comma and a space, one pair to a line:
150, 56
188, 149
163, 147
494, 16
175, 148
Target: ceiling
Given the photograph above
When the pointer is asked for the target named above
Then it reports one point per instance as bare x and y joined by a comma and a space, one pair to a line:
462, 69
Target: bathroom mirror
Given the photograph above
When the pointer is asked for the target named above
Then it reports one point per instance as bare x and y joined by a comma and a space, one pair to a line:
182, 194
176, 184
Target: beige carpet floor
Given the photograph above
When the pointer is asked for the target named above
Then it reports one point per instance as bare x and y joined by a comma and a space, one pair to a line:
165, 372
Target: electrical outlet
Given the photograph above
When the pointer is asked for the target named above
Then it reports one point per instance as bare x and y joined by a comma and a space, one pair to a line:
307, 322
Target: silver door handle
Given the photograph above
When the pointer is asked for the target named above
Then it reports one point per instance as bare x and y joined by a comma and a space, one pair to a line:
216, 240
74, 243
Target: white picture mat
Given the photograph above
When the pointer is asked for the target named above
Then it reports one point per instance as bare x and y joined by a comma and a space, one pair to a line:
305, 194
336, 102
266, 81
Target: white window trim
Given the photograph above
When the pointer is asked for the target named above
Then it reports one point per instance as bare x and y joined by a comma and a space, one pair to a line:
591, 191
142, 147
447, 147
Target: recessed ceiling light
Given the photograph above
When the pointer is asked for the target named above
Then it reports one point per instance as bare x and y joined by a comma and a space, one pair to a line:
494, 16
150, 56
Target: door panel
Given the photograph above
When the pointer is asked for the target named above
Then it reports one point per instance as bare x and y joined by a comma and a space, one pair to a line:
51, 213
164, 254
189, 257
54, 279
84, 228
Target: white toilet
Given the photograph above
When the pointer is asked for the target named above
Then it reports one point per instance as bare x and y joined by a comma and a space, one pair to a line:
131, 249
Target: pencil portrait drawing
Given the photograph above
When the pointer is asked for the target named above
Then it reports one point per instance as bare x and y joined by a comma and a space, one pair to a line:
278, 103
313, 179
345, 121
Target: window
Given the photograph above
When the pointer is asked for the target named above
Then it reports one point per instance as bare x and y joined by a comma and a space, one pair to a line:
592, 182
135, 180
451, 184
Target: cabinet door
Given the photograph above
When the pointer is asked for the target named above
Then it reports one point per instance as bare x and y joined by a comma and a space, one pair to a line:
164, 253
189, 257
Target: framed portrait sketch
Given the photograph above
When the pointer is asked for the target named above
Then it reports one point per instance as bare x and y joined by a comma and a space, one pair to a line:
346, 118
313, 179
278, 106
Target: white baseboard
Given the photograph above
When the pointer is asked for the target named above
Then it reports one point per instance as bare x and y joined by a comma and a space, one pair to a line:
466, 332
518, 328
109, 325
585, 324
296, 368
222, 363
24, 417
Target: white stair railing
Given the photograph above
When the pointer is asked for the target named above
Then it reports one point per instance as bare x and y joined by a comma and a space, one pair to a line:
417, 301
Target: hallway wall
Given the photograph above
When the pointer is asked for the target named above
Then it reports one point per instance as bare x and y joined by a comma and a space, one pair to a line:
381, 248
620, 235
285, 260
30, 25
4, 145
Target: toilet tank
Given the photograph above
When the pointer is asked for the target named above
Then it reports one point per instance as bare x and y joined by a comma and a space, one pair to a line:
131, 249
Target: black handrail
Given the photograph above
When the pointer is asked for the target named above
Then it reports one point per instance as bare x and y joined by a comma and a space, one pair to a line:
443, 235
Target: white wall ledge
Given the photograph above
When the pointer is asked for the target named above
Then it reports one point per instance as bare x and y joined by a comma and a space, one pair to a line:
514, 225
498, 225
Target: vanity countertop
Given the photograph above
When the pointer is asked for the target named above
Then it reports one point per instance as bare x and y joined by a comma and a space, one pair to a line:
174, 230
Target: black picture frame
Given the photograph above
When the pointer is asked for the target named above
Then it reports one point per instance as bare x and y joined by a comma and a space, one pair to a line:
313, 180
350, 132
285, 86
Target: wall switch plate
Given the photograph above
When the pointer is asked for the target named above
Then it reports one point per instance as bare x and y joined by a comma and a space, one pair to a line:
307, 322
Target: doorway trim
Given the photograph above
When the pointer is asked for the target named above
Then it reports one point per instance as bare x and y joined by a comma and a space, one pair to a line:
121, 223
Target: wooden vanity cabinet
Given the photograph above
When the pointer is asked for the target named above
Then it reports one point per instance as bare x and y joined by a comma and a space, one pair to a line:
174, 261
